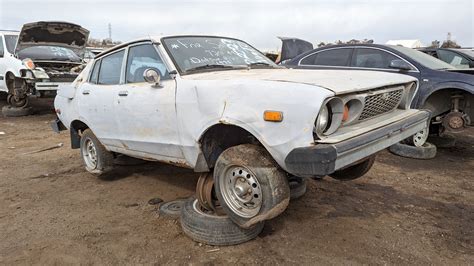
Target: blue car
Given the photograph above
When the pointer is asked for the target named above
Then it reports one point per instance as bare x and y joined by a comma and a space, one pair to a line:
444, 90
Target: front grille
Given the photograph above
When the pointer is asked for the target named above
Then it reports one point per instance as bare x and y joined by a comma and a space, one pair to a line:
380, 103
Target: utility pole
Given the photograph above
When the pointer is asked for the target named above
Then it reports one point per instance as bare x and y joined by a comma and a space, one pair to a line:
110, 32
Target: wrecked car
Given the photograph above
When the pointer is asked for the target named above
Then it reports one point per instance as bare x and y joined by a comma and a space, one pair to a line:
444, 90
219, 106
36, 60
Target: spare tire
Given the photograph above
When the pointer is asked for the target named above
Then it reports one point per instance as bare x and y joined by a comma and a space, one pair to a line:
425, 152
354, 171
213, 229
9, 111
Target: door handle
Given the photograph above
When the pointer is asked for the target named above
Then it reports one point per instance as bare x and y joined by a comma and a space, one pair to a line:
123, 93
86, 92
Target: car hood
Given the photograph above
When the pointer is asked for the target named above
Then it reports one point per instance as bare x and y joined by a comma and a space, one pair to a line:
338, 81
53, 33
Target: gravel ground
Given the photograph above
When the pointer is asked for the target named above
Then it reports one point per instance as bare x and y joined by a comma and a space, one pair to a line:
53, 212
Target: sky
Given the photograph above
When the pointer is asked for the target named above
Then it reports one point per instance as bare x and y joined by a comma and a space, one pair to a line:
258, 22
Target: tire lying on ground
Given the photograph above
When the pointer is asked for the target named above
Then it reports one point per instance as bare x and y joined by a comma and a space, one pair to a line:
212, 229
97, 160
354, 171
297, 187
249, 185
443, 142
9, 111
425, 152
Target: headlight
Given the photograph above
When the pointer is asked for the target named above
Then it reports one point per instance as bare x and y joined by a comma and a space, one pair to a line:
28, 63
323, 119
329, 117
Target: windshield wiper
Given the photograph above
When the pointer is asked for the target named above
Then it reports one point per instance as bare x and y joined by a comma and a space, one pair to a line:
210, 66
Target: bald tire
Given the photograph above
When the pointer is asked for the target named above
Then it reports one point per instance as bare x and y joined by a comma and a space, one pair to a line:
425, 152
212, 229
354, 171
10, 111
273, 182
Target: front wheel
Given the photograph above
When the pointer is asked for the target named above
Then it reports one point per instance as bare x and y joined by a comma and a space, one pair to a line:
250, 186
96, 158
18, 102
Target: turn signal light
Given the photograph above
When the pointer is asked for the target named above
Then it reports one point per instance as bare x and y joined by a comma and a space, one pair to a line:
345, 114
273, 116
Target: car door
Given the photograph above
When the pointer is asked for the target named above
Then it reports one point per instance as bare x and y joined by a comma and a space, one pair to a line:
146, 112
330, 58
97, 98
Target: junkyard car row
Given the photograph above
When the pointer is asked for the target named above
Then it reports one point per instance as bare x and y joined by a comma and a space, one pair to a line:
249, 126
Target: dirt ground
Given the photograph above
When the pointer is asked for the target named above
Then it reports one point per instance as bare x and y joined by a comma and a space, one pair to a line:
53, 212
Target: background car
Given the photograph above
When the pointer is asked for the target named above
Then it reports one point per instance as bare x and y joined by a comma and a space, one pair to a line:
447, 94
462, 58
39, 58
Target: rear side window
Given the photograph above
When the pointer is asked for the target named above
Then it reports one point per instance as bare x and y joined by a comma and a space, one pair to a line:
111, 68
333, 57
95, 72
372, 58
453, 58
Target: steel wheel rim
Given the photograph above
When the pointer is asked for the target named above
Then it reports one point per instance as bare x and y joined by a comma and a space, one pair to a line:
420, 137
89, 153
241, 191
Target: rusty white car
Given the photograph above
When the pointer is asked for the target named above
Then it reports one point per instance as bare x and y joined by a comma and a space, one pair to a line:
219, 106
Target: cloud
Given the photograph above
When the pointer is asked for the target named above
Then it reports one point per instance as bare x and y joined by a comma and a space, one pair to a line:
258, 22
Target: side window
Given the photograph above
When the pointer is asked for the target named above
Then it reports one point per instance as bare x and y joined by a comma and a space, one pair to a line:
2, 50
140, 58
453, 58
95, 72
372, 58
332, 57
111, 68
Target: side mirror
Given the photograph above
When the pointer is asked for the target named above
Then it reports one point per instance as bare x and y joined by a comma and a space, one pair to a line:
400, 64
471, 64
152, 76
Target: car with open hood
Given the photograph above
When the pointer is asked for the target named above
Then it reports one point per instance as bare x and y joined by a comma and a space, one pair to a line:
39, 58
219, 106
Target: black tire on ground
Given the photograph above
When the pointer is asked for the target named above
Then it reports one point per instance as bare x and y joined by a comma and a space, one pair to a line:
96, 158
23, 102
354, 171
425, 152
442, 142
297, 186
172, 209
212, 229
9, 111
266, 178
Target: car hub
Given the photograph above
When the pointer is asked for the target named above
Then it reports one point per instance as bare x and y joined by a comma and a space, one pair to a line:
242, 192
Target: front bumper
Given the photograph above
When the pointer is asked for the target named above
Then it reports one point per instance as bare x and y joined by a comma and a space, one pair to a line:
324, 159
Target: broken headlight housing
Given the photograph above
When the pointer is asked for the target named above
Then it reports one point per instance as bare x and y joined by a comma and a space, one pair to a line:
28, 63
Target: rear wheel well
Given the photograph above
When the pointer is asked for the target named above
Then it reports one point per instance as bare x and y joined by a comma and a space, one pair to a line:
220, 137
76, 128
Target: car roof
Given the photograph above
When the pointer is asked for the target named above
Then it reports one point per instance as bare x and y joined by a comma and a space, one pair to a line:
9, 32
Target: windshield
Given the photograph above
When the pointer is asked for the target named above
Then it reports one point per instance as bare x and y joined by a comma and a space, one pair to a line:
198, 53
11, 42
422, 58
49, 53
